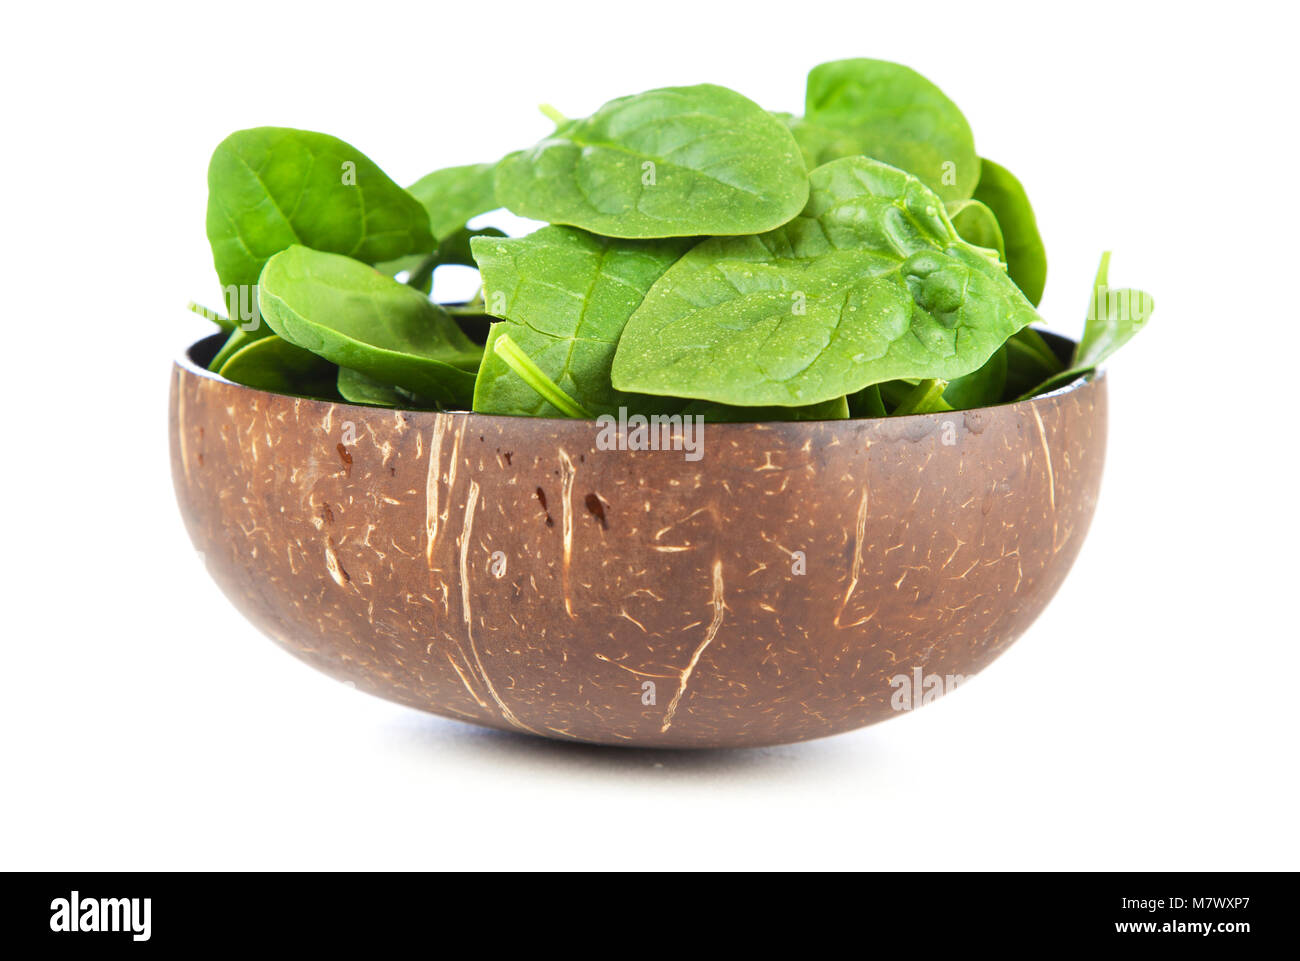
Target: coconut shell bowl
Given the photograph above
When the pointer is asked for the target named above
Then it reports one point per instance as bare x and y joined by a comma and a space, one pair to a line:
798, 579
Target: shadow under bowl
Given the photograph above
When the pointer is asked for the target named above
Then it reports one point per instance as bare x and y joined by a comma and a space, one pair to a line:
797, 580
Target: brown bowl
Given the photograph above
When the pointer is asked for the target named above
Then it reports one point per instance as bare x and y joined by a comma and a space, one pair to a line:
799, 580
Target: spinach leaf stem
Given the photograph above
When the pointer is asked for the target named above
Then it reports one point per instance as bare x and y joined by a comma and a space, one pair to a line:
532, 375
925, 398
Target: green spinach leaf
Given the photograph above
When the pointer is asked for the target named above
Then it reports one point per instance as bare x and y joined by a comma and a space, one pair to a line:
355, 387
891, 113
976, 224
272, 187
837, 408
356, 317
979, 388
1114, 316
894, 392
867, 403
270, 363
564, 295
816, 142
871, 283
1030, 361
455, 195
673, 162
1024, 253
237, 340
538, 381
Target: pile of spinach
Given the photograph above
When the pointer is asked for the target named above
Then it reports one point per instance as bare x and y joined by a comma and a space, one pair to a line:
703, 255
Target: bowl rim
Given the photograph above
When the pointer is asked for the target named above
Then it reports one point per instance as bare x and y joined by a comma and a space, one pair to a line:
184, 360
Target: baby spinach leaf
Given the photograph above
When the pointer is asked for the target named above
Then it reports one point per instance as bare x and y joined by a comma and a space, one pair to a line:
894, 392
1114, 316
871, 283
890, 113
816, 142
357, 317
977, 225
455, 195
867, 403
837, 408
238, 339
355, 387
1030, 361
564, 296
979, 388
673, 162
271, 187
1031, 341
1025, 255
537, 380
269, 363
513, 356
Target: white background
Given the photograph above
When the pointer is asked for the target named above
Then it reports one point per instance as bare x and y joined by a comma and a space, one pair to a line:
1147, 720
